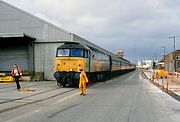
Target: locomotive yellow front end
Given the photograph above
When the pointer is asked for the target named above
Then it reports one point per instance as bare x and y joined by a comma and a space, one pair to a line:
69, 64
69, 58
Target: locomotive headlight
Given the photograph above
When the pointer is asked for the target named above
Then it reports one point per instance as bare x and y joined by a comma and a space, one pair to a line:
70, 69
58, 63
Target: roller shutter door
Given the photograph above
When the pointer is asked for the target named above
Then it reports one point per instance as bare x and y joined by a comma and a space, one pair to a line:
13, 55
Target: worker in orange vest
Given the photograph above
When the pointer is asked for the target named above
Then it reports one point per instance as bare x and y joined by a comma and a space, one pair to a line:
82, 82
16, 74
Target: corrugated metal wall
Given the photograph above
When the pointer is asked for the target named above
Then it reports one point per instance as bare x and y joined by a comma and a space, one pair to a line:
45, 59
13, 55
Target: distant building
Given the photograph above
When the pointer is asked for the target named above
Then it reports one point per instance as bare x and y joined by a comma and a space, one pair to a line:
172, 61
120, 54
147, 64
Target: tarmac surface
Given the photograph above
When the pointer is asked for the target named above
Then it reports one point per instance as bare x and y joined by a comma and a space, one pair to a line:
128, 98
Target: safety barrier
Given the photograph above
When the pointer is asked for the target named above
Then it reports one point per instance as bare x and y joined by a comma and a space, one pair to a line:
11, 79
6, 79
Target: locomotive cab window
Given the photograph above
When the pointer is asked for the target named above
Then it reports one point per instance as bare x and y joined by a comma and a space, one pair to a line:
72, 53
76, 52
63, 52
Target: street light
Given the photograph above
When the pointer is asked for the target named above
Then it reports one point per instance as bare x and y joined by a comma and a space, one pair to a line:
174, 38
164, 53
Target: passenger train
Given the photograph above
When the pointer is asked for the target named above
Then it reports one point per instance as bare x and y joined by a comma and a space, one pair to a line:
98, 64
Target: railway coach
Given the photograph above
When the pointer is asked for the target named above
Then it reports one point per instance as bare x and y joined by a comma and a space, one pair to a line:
97, 64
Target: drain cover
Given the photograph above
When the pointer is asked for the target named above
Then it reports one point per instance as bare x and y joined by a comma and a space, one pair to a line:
26, 90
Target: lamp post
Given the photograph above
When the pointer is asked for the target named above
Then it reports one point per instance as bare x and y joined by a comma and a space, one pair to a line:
164, 52
174, 38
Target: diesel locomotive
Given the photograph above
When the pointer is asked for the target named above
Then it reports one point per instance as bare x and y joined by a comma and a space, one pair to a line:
98, 64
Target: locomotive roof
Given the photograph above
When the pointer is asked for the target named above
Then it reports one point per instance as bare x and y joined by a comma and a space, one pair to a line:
78, 45
72, 45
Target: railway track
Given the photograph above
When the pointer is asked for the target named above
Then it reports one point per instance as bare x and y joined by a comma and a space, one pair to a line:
36, 101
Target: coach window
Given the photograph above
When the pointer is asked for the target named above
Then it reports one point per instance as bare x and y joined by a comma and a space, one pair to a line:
121, 63
96, 50
93, 49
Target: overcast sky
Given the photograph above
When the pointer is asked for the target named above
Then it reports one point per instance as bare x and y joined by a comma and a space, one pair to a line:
138, 27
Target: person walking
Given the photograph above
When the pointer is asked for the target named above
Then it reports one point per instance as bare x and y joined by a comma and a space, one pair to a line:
16, 74
82, 82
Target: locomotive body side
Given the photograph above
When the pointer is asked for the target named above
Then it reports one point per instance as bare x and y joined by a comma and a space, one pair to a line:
121, 66
99, 65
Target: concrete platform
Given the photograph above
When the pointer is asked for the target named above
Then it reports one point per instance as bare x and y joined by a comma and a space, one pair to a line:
173, 82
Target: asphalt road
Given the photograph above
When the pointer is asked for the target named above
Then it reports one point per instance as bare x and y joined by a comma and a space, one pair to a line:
128, 98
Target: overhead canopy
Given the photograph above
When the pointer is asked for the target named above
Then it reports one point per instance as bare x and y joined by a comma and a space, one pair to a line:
15, 39
14, 50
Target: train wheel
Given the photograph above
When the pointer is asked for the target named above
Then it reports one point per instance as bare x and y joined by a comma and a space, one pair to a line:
58, 83
77, 84
64, 81
96, 77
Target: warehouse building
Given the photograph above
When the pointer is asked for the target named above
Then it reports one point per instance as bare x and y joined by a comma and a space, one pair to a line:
172, 62
30, 42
